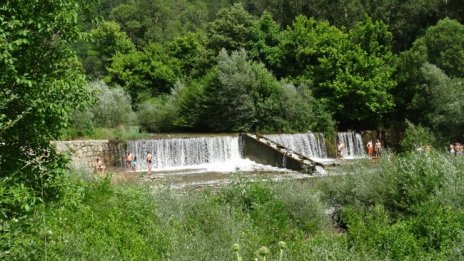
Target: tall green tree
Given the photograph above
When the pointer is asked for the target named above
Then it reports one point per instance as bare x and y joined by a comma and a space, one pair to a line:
363, 83
445, 102
265, 43
107, 41
243, 95
445, 46
146, 73
190, 50
442, 46
231, 29
351, 73
41, 83
146, 21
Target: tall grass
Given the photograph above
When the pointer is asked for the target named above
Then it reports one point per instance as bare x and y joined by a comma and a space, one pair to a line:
409, 207
405, 207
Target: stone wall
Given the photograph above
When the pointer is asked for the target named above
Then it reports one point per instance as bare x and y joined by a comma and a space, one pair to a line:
84, 153
389, 138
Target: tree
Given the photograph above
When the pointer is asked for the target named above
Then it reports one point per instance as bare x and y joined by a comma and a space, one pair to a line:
108, 40
230, 30
442, 46
364, 80
147, 21
350, 73
41, 83
244, 96
191, 53
445, 101
305, 43
265, 43
112, 107
145, 74
445, 46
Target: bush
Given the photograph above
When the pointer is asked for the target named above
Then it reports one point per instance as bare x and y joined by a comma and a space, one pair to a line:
415, 136
373, 231
112, 108
399, 184
157, 115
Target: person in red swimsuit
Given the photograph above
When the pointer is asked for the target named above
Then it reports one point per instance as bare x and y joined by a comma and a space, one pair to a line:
370, 148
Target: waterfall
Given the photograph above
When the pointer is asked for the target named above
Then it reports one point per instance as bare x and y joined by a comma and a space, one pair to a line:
353, 144
309, 144
184, 152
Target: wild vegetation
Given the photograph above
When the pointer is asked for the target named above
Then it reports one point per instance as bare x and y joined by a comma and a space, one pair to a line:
216, 66
408, 207
210, 66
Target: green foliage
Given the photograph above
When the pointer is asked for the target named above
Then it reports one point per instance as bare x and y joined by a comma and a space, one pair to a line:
401, 184
445, 46
304, 112
191, 52
148, 21
41, 84
251, 99
145, 74
415, 136
363, 80
407, 208
429, 87
432, 234
373, 231
230, 30
304, 43
157, 115
264, 44
190, 104
350, 73
112, 107
90, 221
445, 98
108, 40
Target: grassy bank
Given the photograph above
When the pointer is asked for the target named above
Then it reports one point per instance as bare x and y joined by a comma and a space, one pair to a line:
411, 207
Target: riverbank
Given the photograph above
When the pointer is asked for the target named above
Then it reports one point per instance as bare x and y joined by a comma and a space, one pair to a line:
408, 207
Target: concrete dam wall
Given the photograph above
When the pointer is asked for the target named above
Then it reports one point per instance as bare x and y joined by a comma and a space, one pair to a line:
299, 152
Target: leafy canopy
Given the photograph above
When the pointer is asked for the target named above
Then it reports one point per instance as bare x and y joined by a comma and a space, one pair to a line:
40, 84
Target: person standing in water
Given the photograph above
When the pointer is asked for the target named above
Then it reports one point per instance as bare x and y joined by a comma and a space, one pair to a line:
149, 162
378, 148
134, 164
340, 148
370, 148
129, 158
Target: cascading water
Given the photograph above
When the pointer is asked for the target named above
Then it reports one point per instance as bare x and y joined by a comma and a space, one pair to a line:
185, 152
353, 144
312, 145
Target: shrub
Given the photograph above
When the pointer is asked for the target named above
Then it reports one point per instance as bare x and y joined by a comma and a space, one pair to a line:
112, 108
415, 136
399, 183
373, 231
159, 114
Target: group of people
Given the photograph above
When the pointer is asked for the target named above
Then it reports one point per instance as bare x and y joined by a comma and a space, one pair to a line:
456, 148
374, 150
371, 148
131, 162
